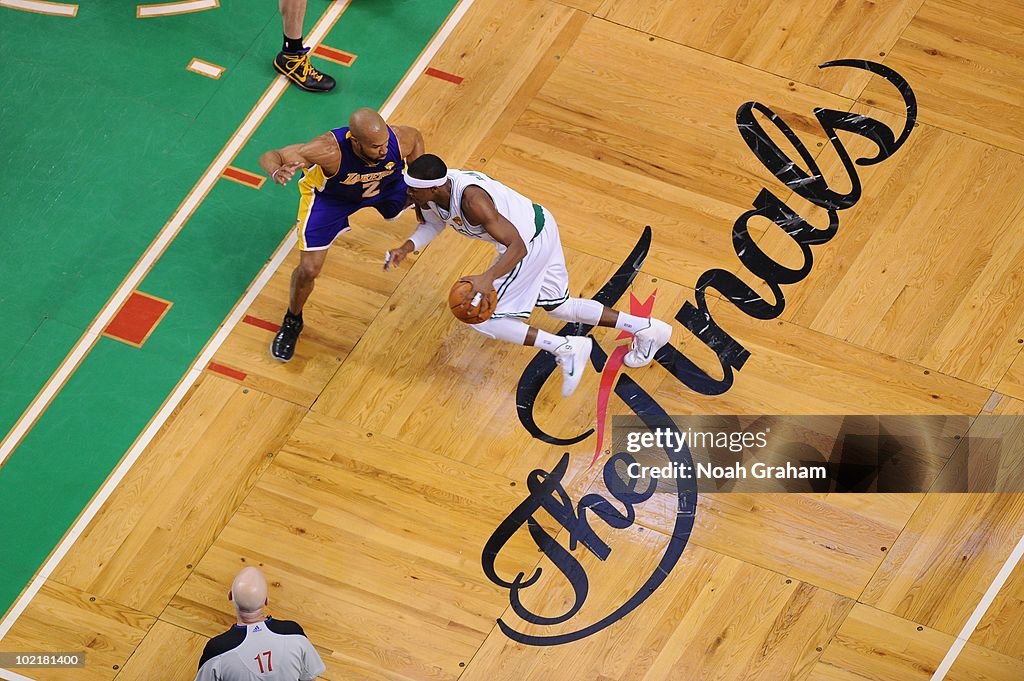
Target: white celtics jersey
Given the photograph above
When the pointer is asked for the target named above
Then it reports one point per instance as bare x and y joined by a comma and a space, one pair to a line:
272, 650
515, 207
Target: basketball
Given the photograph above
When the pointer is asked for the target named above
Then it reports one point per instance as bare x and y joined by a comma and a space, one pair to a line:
466, 307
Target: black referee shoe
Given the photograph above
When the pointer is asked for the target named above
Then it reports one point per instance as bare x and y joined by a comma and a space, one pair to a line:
297, 69
283, 347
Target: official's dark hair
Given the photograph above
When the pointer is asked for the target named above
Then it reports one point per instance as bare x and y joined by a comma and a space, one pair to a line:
427, 167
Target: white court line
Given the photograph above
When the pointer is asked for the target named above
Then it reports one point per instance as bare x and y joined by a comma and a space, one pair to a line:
58, 9
169, 8
240, 309
205, 68
421, 64
159, 245
13, 676
979, 612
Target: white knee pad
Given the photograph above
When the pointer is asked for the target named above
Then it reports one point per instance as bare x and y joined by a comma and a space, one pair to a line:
504, 329
582, 310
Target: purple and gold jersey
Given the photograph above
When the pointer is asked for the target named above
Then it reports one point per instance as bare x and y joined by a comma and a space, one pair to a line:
358, 181
325, 203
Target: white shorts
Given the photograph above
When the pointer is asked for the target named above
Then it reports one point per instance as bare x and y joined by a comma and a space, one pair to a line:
538, 279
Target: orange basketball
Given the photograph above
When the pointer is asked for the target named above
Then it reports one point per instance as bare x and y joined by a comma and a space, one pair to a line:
465, 308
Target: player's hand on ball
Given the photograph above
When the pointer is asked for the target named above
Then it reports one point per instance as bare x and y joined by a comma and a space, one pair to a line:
286, 172
469, 305
481, 283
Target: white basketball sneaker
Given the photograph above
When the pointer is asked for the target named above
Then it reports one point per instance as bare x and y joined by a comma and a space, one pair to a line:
647, 342
573, 356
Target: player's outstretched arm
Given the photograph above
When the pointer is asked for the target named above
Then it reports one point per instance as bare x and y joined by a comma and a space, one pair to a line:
429, 226
282, 164
410, 142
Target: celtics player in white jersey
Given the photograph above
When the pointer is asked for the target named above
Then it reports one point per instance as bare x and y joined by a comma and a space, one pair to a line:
529, 270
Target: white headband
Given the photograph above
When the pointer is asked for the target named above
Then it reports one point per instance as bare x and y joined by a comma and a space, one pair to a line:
417, 183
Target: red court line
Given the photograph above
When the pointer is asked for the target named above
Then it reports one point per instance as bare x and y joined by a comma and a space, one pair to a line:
137, 318
331, 54
444, 75
244, 177
226, 371
261, 323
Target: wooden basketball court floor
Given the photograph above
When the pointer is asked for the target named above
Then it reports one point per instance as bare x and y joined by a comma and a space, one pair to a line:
366, 476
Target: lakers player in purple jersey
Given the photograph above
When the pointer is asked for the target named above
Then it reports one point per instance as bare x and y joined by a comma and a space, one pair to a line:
345, 169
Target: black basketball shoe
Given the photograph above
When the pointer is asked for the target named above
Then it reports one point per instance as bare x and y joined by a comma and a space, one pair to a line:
283, 347
297, 69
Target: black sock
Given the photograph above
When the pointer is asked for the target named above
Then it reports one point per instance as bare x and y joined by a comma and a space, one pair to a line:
292, 45
289, 315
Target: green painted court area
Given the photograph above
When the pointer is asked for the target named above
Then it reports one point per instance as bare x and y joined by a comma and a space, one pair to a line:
103, 132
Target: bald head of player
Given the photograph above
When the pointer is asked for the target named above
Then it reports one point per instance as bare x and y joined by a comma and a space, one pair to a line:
369, 135
249, 594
